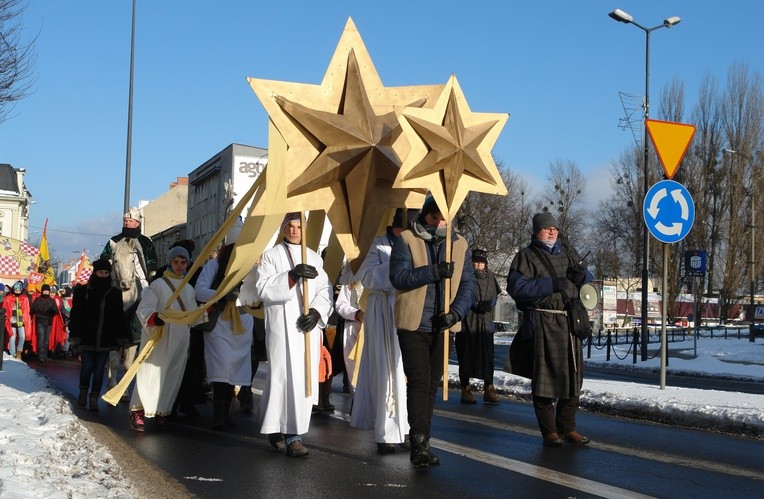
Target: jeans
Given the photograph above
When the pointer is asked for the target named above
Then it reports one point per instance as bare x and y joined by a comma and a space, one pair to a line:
18, 336
93, 365
43, 337
422, 355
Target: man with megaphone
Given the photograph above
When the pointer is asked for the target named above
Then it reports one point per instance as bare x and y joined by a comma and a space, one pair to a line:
542, 278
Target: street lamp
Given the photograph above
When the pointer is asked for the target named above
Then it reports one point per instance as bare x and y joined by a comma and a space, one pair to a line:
752, 262
623, 17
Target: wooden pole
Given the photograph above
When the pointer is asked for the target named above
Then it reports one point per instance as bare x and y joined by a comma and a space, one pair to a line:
446, 308
305, 305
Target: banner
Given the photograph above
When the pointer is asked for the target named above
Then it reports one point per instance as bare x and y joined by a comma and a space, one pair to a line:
44, 266
17, 259
84, 270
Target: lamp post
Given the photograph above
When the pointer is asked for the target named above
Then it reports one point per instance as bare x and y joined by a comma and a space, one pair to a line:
623, 17
752, 261
130, 117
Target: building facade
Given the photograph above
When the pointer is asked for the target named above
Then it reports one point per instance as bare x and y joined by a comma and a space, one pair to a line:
15, 200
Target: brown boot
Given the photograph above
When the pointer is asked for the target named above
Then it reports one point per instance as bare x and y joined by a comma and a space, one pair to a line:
18, 354
576, 439
467, 397
324, 394
489, 396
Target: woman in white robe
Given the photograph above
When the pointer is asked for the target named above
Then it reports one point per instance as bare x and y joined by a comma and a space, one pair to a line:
159, 377
380, 398
285, 409
227, 352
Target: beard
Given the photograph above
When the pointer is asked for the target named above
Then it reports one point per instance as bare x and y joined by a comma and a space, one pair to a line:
131, 232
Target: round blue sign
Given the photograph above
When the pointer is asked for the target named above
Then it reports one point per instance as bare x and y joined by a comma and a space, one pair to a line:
669, 211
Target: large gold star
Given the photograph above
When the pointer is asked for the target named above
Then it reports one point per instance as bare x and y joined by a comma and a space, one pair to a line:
343, 142
451, 150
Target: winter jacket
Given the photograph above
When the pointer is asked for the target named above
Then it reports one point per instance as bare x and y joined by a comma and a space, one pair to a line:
43, 309
413, 272
557, 354
97, 319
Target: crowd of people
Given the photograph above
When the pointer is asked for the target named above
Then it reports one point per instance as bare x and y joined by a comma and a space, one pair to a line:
387, 323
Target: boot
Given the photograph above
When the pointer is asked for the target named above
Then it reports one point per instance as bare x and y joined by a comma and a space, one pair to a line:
82, 399
467, 397
18, 354
246, 402
219, 413
227, 411
489, 396
93, 401
434, 460
324, 394
420, 458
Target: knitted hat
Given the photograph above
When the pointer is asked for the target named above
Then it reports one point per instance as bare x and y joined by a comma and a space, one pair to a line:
185, 243
101, 264
430, 206
177, 251
295, 215
479, 255
543, 220
45, 287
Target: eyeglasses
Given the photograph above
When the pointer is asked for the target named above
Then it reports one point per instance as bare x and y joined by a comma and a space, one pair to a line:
551, 229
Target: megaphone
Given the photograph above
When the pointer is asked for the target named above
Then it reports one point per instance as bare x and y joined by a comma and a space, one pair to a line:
589, 296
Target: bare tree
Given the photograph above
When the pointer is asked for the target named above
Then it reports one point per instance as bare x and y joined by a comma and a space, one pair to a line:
564, 198
497, 224
17, 58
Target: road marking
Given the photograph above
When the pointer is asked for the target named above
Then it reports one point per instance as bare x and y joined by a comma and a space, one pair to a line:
699, 464
538, 472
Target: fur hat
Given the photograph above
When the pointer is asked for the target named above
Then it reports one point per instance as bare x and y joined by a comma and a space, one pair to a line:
133, 213
177, 251
543, 220
101, 264
233, 234
479, 255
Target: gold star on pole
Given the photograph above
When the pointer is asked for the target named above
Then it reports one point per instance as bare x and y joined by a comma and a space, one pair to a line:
451, 150
344, 144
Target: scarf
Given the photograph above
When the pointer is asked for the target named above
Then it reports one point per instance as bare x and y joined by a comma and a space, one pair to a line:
172, 275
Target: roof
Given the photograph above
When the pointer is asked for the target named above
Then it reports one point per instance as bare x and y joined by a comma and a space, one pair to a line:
8, 180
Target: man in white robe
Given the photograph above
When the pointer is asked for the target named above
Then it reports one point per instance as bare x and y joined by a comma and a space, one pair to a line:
380, 396
158, 379
278, 282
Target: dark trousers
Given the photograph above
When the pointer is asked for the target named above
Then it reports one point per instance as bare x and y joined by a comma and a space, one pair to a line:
43, 337
560, 419
422, 355
191, 390
93, 365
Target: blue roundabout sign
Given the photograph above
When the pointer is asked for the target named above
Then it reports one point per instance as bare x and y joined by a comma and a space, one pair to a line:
669, 211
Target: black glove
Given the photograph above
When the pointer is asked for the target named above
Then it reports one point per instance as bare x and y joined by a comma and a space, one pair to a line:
483, 307
560, 284
307, 322
445, 321
445, 269
577, 274
157, 320
303, 270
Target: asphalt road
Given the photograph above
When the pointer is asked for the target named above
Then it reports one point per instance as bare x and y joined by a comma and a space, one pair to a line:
486, 451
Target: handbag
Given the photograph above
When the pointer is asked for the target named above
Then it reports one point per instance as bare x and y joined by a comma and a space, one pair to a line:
576, 313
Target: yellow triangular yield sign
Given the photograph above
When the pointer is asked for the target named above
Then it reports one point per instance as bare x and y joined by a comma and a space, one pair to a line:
671, 141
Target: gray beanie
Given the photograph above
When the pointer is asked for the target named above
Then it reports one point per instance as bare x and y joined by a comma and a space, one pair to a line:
177, 251
543, 220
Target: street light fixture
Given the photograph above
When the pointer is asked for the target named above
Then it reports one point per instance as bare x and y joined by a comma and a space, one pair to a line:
624, 17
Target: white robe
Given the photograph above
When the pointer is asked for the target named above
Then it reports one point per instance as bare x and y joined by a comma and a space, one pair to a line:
380, 398
284, 408
159, 377
346, 306
227, 355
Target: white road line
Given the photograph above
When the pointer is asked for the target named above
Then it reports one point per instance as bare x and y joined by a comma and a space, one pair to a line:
537, 472
699, 464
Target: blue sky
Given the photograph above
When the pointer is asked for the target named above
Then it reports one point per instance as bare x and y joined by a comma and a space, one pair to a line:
555, 66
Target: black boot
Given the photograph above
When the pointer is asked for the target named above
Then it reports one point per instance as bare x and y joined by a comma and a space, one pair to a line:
246, 402
324, 394
227, 410
219, 412
420, 457
434, 460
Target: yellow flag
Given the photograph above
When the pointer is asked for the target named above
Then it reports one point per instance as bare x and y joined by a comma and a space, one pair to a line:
44, 266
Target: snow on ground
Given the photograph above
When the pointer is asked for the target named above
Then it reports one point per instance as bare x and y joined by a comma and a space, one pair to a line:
46, 452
